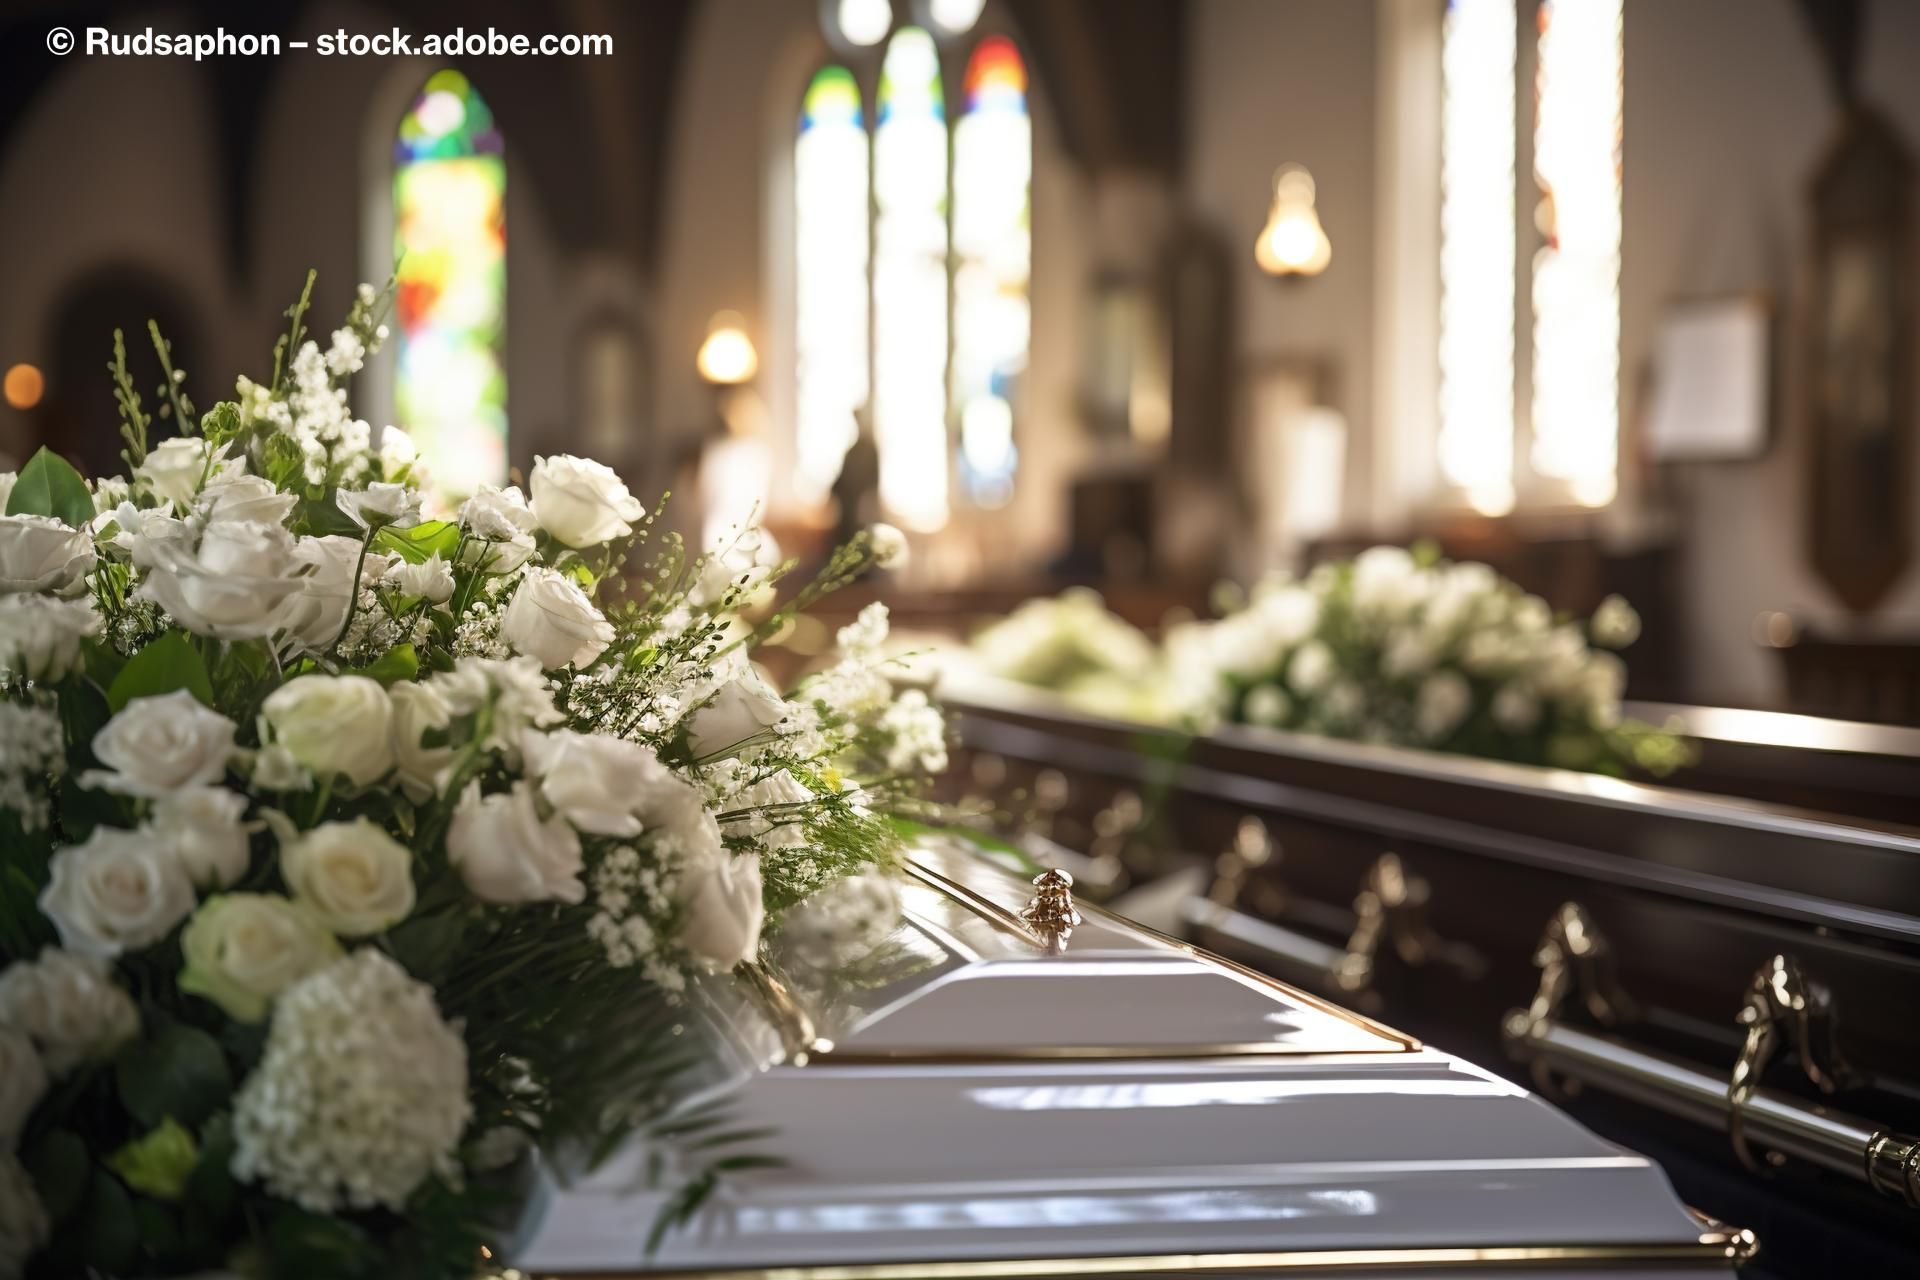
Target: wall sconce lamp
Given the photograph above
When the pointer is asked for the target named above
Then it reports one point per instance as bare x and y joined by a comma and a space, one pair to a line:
1293, 243
727, 357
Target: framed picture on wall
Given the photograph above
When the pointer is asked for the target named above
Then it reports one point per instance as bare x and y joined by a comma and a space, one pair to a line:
1712, 380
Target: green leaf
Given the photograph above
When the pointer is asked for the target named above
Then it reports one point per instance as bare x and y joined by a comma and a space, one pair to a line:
396, 664
314, 1244
166, 664
103, 662
426, 946
323, 515
178, 1072
423, 540
49, 486
158, 1163
108, 1234
58, 1163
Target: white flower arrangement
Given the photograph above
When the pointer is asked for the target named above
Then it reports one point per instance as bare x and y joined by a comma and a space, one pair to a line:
1406, 648
332, 827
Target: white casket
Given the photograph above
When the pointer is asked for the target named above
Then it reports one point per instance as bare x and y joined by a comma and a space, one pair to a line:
998, 1098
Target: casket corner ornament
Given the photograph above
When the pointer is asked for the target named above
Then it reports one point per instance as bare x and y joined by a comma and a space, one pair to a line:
974, 1099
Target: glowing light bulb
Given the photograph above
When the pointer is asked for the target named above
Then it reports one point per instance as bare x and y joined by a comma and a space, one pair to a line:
1293, 242
727, 357
864, 22
955, 17
23, 386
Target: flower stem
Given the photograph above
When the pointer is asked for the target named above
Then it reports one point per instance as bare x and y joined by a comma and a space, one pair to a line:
353, 596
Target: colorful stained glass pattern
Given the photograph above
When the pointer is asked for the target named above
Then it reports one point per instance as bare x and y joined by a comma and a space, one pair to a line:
910, 282
993, 248
1576, 272
449, 190
830, 278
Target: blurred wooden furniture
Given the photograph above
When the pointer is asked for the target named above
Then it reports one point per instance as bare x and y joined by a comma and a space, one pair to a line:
1862, 675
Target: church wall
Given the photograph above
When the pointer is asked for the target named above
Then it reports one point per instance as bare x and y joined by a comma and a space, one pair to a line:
1714, 202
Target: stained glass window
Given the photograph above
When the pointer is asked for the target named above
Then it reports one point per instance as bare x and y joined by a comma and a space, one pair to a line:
992, 243
1576, 272
449, 188
830, 278
1477, 251
910, 282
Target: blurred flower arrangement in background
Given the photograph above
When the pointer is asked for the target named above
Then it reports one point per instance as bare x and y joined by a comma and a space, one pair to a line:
1394, 646
350, 851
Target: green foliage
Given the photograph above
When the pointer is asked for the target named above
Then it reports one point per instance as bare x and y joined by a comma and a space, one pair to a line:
49, 486
398, 663
134, 420
221, 423
166, 664
60, 1168
421, 542
176, 1071
158, 1163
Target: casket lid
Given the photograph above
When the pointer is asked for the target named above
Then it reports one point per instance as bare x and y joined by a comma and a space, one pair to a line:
965, 978
980, 1096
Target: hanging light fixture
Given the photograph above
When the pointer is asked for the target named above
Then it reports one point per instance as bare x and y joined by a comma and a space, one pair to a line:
1293, 243
727, 357
864, 23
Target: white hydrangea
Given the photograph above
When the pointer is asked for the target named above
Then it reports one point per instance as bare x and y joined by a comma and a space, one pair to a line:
32, 754
69, 1006
361, 1094
1442, 703
40, 636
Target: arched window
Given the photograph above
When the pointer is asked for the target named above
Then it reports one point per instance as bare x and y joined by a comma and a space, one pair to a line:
993, 249
950, 237
449, 191
910, 282
830, 278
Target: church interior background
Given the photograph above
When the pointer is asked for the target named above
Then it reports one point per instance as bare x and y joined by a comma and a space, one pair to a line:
1158, 298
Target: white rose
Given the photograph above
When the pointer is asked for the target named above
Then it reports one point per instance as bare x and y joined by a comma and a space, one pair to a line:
594, 781
431, 579
39, 553
506, 854
118, 889
499, 558
1442, 703
1267, 704
1515, 708
551, 619
275, 769
333, 724
353, 876
397, 449
723, 909
313, 618
417, 710
497, 515
580, 502
150, 537
1386, 582
23, 1082
1287, 613
772, 815
175, 469
243, 949
203, 827
69, 1006
380, 503
40, 636
24, 1226
245, 498
1615, 624
1409, 653
161, 744
1311, 667
745, 706
230, 586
